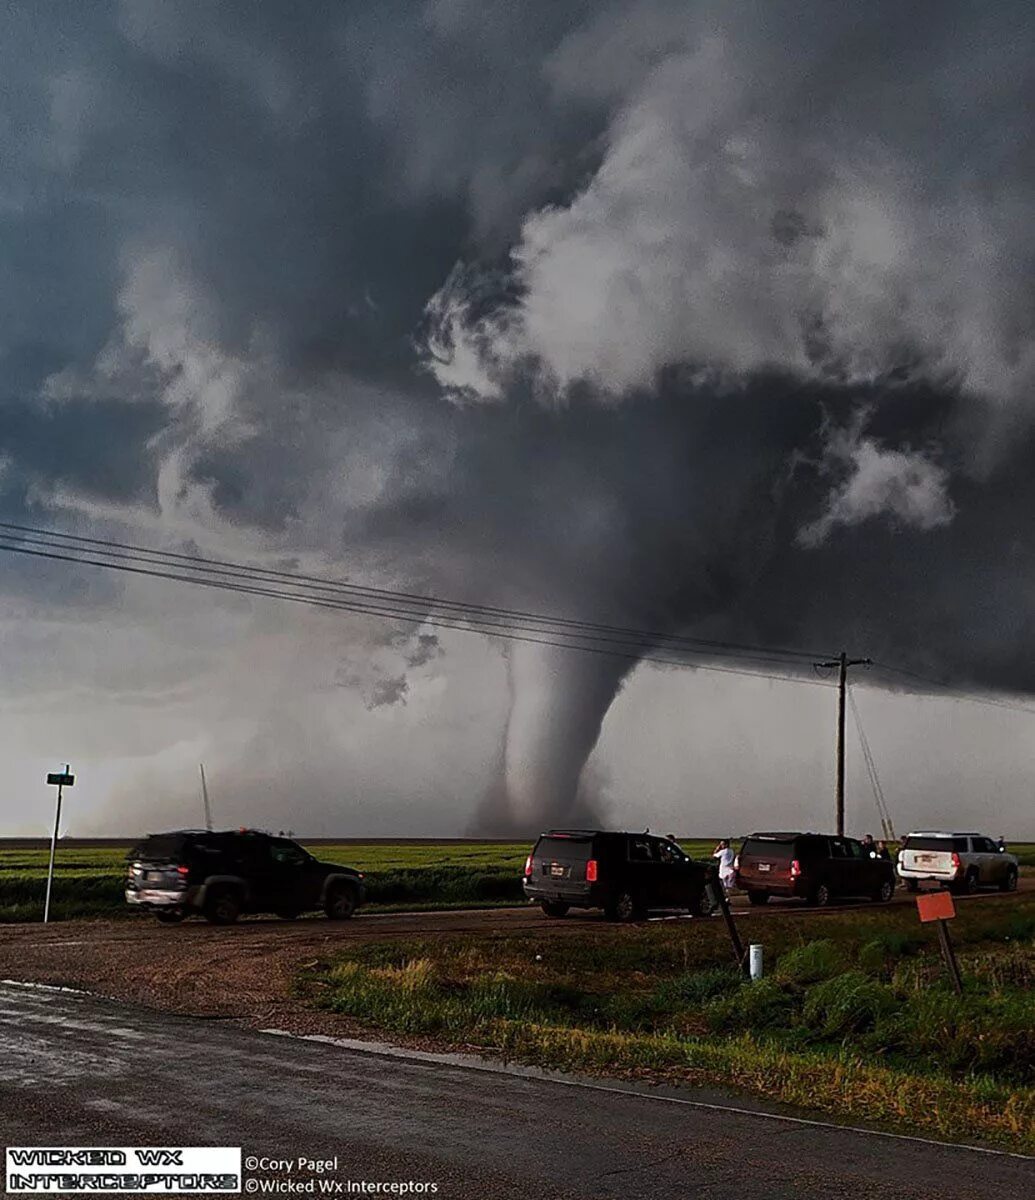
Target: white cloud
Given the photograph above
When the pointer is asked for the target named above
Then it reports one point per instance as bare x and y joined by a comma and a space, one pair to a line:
904, 486
740, 220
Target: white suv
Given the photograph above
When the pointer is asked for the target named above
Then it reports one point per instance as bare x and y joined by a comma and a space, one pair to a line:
965, 861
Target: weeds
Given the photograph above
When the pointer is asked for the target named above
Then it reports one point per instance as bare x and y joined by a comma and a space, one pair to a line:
836, 1026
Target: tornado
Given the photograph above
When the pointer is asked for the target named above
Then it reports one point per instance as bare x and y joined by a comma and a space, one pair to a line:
559, 698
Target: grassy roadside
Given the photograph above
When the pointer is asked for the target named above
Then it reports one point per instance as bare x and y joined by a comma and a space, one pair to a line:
857, 1023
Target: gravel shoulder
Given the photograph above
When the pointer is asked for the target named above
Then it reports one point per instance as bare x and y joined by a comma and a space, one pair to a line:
247, 972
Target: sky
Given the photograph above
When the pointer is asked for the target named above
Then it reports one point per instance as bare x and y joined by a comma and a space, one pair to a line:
712, 319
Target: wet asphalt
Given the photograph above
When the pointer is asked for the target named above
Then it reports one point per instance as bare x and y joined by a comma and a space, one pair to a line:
76, 1070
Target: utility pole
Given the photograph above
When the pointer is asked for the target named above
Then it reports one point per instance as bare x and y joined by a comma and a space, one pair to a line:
842, 662
204, 797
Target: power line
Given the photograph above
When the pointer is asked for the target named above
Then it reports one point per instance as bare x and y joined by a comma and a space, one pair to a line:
953, 691
364, 591
871, 769
401, 609
443, 621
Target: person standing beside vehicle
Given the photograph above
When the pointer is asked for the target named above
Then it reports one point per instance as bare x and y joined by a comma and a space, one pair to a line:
724, 853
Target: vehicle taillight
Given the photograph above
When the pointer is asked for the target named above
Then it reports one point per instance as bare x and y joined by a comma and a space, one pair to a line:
795, 869
528, 866
591, 871
183, 870
956, 864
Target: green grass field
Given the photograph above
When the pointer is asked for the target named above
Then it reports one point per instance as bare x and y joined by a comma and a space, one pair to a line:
88, 879
853, 1017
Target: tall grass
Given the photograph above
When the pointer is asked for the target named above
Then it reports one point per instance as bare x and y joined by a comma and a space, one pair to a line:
860, 1022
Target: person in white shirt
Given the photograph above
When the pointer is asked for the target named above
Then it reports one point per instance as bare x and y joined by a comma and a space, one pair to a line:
724, 853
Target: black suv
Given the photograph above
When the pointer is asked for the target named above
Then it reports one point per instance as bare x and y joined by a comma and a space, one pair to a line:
625, 874
818, 867
222, 875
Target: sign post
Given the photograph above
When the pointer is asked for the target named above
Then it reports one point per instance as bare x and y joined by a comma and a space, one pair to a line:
939, 907
61, 780
722, 900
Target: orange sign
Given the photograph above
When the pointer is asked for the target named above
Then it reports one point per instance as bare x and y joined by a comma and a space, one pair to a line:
935, 906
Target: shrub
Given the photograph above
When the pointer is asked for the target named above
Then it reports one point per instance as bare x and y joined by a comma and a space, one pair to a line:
762, 1004
847, 1004
971, 1032
811, 963
692, 989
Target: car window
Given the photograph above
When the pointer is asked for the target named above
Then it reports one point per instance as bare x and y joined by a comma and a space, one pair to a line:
669, 853
767, 848
942, 844
857, 849
839, 848
640, 850
984, 846
961, 845
288, 853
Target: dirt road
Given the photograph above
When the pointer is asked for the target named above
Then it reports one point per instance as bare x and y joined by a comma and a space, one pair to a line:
247, 971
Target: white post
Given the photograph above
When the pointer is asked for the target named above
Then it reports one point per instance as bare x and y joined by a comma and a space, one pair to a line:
755, 960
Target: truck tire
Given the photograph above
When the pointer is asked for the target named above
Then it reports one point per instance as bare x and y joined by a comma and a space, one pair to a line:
885, 893
1009, 884
222, 906
819, 897
704, 903
970, 883
340, 902
623, 908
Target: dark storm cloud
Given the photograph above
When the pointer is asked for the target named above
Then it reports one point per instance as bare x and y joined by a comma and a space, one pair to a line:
737, 298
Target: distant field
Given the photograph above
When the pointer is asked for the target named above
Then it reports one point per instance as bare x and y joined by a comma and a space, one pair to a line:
402, 874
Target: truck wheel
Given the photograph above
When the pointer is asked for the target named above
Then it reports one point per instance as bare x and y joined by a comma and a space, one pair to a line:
885, 892
340, 902
1009, 884
172, 916
554, 908
757, 898
970, 883
222, 907
623, 908
912, 885
704, 903
820, 896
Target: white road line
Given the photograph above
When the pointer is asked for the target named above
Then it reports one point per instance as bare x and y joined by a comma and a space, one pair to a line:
43, 987
471, 1063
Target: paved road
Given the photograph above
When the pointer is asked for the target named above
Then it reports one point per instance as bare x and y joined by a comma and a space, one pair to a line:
76, 1070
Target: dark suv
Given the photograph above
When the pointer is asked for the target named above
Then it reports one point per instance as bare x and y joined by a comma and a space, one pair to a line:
625, 874
815, 866
222, 875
